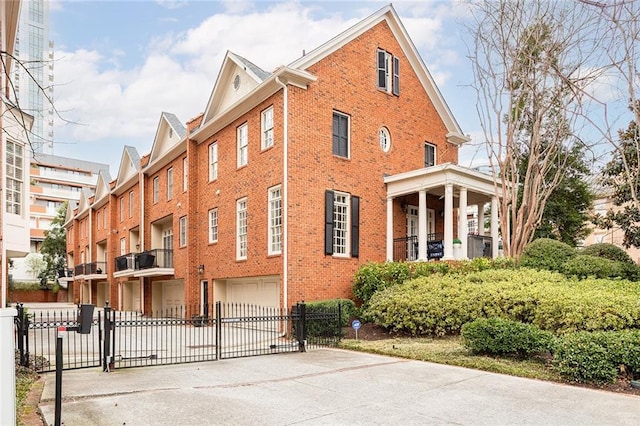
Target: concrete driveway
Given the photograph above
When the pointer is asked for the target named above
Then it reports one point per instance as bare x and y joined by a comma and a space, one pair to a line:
325, 386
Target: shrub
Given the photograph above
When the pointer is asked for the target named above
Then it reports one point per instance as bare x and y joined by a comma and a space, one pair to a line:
607, 251
545, 253
584, 266
597, 357
499, 336
344, 307
441, 304
372, 277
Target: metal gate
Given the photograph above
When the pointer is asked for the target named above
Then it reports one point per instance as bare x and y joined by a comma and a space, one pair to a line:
120, 339
36, 335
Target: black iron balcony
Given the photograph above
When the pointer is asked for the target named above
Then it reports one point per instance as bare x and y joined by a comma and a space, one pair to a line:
126, 262
406, 249
78, 270
156, 258
95, 268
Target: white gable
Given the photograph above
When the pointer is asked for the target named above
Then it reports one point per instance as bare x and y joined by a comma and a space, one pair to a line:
127, 168
102, 187
166, 138
235, 80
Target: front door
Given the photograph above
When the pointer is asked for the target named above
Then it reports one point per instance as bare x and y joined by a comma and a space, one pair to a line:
412, 233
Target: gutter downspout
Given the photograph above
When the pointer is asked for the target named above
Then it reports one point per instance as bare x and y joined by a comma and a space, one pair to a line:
141, 236
285, 192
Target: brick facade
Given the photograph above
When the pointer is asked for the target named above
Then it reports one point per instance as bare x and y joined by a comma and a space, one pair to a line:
343, 80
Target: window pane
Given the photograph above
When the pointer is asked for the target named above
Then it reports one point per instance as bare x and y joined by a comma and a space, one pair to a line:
340, 223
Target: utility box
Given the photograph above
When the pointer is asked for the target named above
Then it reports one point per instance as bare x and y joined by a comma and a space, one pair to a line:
85, 318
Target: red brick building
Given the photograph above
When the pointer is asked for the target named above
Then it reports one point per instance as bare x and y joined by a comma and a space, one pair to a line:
287, 183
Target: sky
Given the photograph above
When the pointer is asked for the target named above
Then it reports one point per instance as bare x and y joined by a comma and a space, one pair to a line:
120, 64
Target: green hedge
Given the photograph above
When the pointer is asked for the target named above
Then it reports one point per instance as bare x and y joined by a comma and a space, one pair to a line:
607, 251
597, 357
585, 266
323, 327
499, 336
545, 253
373, 276
441, 304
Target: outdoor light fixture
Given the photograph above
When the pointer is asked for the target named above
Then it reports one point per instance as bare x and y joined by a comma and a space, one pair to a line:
200, 269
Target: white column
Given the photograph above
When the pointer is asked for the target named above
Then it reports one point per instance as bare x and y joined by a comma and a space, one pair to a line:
7, 367
390, 229
422, 224
481, 219
463, 226
494, 226
448, 222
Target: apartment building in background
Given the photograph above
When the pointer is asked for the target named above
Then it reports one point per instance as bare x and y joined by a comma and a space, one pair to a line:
33, 76
285, 185
53, 180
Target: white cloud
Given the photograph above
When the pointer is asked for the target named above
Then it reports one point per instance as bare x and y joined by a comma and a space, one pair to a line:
178, 70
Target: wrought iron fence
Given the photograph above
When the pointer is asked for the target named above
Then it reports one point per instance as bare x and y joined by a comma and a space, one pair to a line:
122, 339
36, 335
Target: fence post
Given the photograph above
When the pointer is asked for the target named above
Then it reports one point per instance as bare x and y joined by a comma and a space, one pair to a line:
20, 335
339, 320
7, 367
301, 327
218, 320
107, 337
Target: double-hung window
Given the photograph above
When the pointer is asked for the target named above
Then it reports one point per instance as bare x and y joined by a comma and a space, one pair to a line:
241, 229
275, 220
169, 183
213, 161
156, 189
213, 225
243, 144
14, 178
388, 72
131, 196
121, 208
340, 134
185, 174
342, 224
183, 231
429, 154
267, 128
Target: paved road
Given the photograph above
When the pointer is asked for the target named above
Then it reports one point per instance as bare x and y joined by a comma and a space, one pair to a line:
325, 386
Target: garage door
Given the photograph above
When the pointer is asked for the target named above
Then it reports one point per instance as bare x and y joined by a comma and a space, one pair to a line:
261, 291
172, 295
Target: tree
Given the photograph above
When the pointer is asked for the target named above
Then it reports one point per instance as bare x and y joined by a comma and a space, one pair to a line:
567, 212
54, 246
620, 34
36, 264
622, 178
527, 60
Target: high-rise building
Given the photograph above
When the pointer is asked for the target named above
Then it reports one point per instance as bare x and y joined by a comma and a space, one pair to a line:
33, 73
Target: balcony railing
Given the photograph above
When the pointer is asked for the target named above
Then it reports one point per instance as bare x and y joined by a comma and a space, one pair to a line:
126, 262
95, 268
78, 270
156, 258
479, 246
406, 248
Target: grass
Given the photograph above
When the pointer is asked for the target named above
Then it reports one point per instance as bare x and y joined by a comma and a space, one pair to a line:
450, 351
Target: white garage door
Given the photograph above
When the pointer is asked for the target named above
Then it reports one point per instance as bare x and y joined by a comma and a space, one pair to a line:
261, 291
172, 295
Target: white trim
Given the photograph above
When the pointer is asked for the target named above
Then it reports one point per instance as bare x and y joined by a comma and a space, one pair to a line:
241, 234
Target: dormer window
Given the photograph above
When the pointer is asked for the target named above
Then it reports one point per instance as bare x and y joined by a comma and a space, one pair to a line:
388, 72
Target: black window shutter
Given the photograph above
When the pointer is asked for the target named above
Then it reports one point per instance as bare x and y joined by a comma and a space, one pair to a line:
328, 222
355, 226
382, 69
396, 76
336, 134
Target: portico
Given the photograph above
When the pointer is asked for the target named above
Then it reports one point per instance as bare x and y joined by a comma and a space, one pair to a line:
453, 187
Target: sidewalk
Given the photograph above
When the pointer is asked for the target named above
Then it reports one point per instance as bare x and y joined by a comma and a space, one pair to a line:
325, 386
